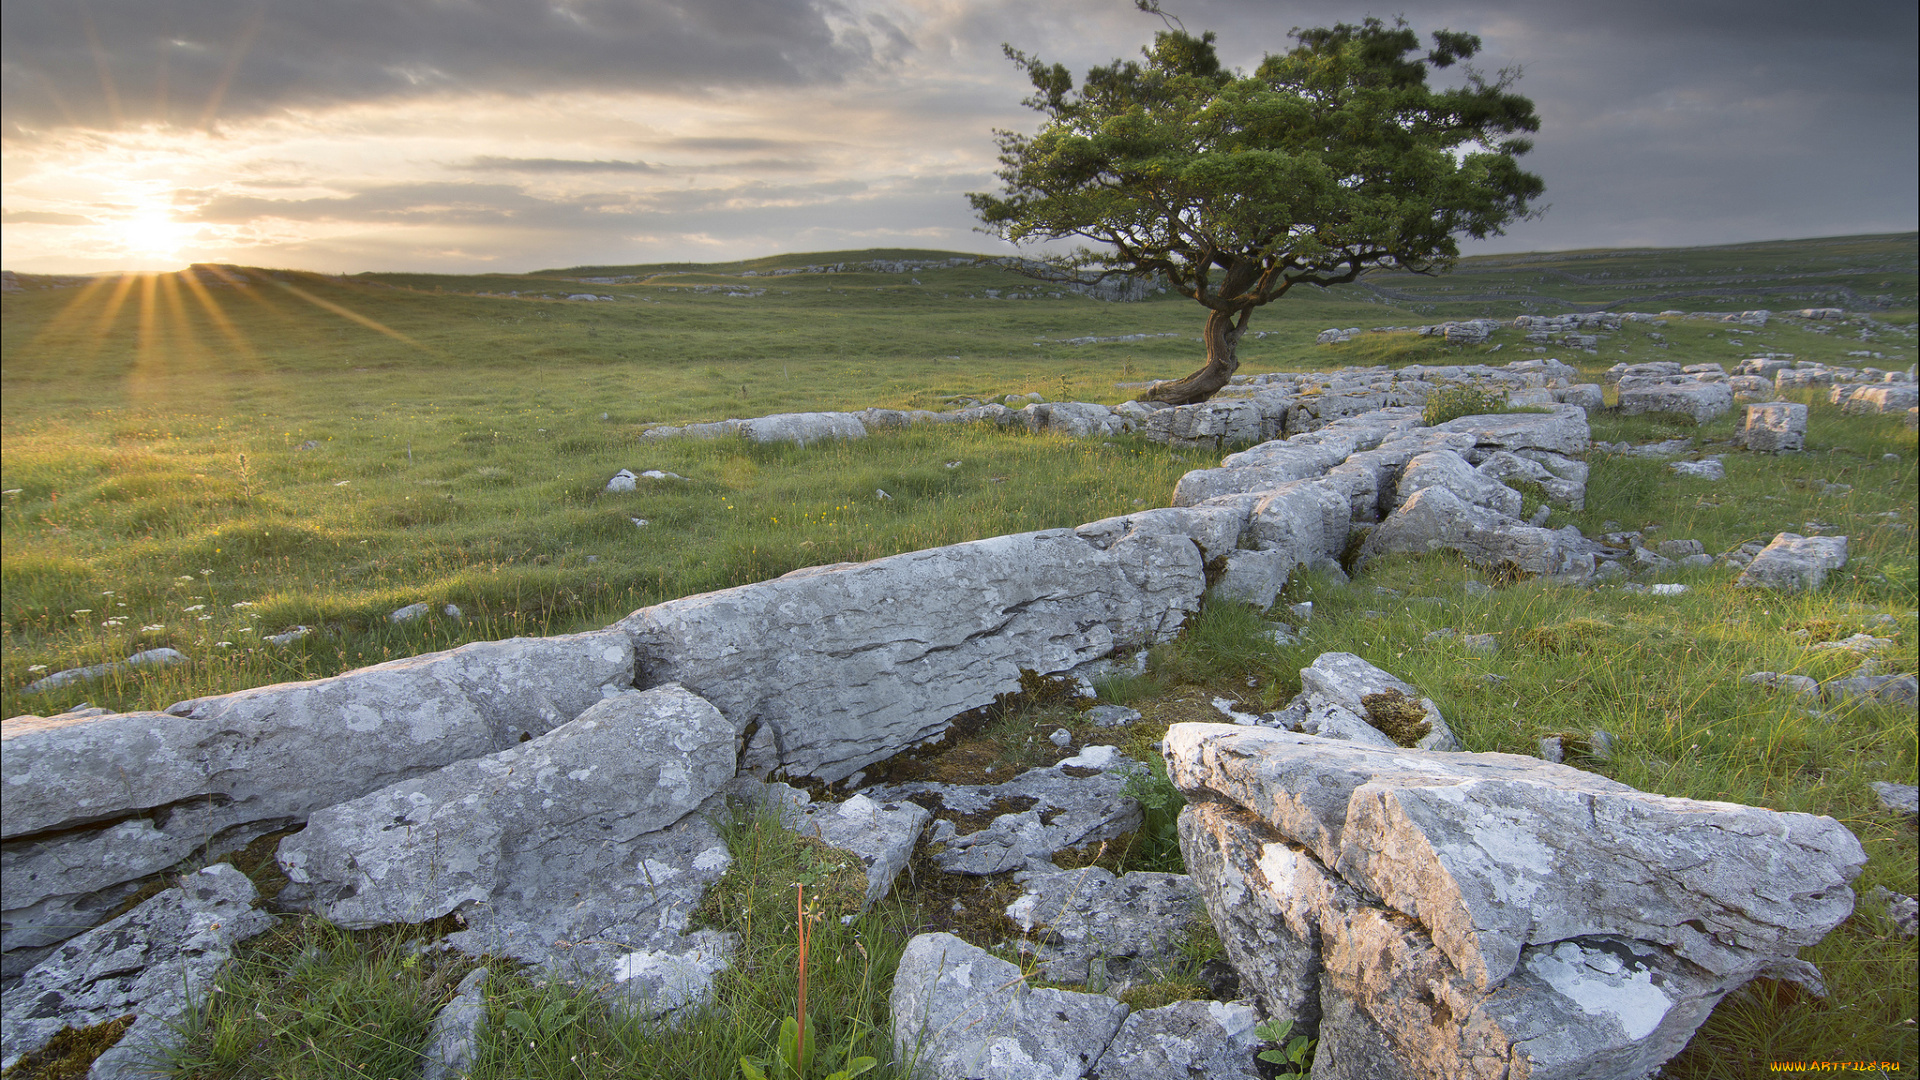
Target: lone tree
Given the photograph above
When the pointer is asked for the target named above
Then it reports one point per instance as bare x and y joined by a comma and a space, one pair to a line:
1332, 158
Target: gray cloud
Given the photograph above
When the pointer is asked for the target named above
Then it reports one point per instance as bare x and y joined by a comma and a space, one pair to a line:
104, 62
553, 165
41, 217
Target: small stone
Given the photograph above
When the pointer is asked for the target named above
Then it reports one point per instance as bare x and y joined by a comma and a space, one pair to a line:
1601, 745
880, 493
1107, 716
454, 1043
1707, 469
452, 611
1302, 612
1553, 748
290, 636
1061, 738
622, 481
408, 613
1668, 589
1480, 644
1476, 588
1900, 798
1441, 634
1904, 910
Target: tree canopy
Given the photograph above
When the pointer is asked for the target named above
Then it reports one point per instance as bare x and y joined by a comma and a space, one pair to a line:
1329, 159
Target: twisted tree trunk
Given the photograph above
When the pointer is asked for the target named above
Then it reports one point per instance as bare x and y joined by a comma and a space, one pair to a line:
1223, 359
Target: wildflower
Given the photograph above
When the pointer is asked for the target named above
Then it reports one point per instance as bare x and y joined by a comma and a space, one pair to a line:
83, 611
36, 667
223, 644
195, 607
153, 628
242, 605
206, 618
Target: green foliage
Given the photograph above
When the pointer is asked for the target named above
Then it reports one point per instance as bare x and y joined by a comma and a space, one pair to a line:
1156, 845
1329, 159
1295, 1054
1453, 402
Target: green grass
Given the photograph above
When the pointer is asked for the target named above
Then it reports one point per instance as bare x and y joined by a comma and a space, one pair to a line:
157, 456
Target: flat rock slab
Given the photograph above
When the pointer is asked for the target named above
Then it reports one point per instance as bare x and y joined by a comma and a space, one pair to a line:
1018, 825
156, 961
960, 1013
844, 666
1794, 563
1495, 852
1696, 400
882, 835
1563, 431
1187, 1040
633, 764
1132, 927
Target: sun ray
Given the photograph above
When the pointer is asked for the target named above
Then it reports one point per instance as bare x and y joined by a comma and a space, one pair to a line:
100, 64
354, 316
73, 311
241, 45
146, 360
191, 278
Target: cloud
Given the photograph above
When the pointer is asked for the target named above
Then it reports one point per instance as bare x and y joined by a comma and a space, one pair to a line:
110, 62
41, 217
554, 165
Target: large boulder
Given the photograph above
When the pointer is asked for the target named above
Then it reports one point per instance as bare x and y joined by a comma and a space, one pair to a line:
1433, 915
1794, 563
97, 802
838, 667
1775, 427
1683, 396
413, 851
1305, 520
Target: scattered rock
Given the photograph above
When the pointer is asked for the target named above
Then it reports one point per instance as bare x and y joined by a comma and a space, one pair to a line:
147, 658
1800, 686
1775, 428
1704, 469
408, 613
1794, 563
1900, 798
624, 480
1904, 910
1107, 716
1480, 644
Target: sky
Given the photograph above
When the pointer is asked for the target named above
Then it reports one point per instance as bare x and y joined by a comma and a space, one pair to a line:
473, 136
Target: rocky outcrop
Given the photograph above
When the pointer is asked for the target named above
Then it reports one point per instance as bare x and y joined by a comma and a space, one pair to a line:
837, 667
1683, 395
1439, 915
1088, 925
97, 802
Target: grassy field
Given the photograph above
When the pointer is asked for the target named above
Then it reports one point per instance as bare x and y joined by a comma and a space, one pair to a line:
196, 462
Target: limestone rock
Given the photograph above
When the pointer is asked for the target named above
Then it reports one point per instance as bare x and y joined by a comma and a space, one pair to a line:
1895, 690
1563, 431
1900, 798
1558, 490
1623, 927
1304, 521
960, 1013
1254, 577
414, 851
1019, 824
1435, 518
803, 428
1689, 397
454, 1043
1347, 680
1775, 427
145, 658
1449, 470
1202, 1040
882, 835
1704, 469
1794, 563
156, 961
1454, 839
1873, 400
1131, 927
847, 665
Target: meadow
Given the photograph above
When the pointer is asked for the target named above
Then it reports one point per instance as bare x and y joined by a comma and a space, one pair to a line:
203, 460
